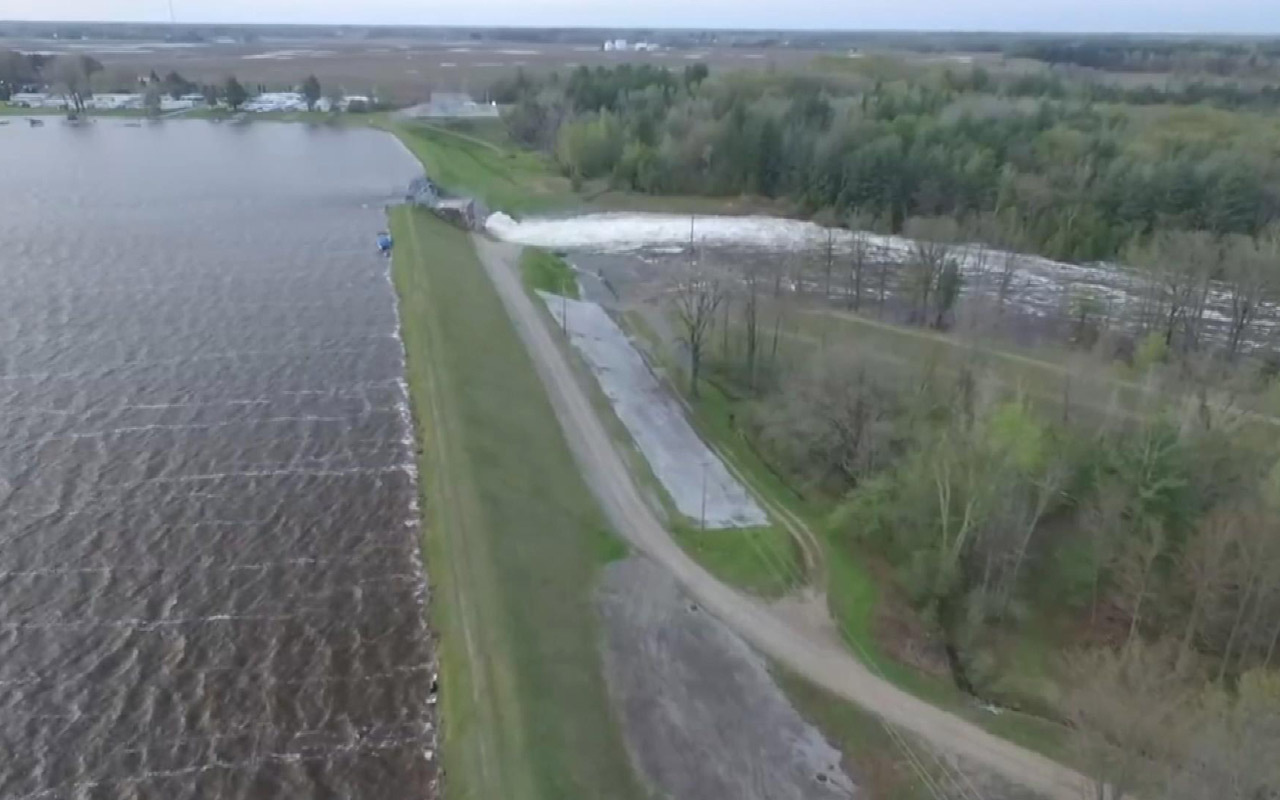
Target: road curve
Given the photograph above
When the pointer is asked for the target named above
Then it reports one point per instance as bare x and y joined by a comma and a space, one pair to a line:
824, 663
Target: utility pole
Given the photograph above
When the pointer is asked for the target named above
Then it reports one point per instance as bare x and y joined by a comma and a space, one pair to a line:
703, 524
173, 20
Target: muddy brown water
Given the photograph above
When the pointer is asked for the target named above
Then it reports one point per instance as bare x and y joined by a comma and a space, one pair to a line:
210, 583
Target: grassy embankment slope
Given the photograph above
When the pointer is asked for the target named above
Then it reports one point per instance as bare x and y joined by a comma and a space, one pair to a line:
514, 181
478, 159
513, 540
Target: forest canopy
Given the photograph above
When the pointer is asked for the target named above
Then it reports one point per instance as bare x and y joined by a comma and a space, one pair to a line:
1072, 175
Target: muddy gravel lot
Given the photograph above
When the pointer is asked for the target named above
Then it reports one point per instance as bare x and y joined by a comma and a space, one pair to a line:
701, 714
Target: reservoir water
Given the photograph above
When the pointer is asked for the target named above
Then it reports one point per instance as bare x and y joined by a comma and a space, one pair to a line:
210, 582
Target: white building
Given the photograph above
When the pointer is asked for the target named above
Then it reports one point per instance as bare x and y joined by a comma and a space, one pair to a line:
36, 100
345, 103
114, 102
276, 101
181, 104
452, 105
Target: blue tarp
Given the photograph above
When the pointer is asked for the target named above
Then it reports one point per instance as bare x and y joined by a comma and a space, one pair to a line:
384, 241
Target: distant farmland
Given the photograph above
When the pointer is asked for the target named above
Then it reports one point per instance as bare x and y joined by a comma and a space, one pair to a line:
403, 71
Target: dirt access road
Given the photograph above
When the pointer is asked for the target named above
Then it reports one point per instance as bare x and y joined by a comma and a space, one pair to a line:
822, 661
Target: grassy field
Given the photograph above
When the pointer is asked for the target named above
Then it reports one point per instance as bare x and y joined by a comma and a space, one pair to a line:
759, 560
476, 158
1057, 380
514, 181
513, 542
547, 272
7, 110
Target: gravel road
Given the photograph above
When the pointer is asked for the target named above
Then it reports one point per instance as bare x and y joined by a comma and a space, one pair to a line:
824, 662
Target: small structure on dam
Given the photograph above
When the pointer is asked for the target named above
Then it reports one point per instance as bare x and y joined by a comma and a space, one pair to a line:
467, 213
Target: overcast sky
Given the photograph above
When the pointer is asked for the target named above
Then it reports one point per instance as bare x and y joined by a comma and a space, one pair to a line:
1189, 16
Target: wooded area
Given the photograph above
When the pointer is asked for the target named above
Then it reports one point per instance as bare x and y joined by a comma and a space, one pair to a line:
1137, 522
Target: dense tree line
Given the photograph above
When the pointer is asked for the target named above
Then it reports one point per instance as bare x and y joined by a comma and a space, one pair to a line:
1069, 178
1120, 54
1228, 95
18, 70
69, 75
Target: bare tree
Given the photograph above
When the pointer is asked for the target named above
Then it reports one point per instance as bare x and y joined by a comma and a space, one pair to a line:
1043, 490
74, 76
1127, 712
751, 281
829, 264
947, 292
1104, 521
1204, 564
883, 285
1249, 270
152, 99
1006, 269
698, 293
1179, 266
1087, 312
1135, 570
1252, 586
1231, 753
859, 254
998, 238
932, 249
830, 421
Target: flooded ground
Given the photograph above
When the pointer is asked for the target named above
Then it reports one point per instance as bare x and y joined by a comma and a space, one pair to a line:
210, 583
1037, 298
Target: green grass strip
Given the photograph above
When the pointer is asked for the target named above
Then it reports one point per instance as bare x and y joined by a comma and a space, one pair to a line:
513, 542
548, 272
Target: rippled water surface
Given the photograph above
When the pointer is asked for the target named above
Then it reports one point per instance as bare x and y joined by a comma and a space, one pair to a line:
209, 579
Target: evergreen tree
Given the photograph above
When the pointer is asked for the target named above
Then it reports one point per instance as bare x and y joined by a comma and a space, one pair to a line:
234, 93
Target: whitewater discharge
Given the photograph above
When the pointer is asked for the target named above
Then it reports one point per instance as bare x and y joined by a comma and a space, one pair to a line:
1037, 286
